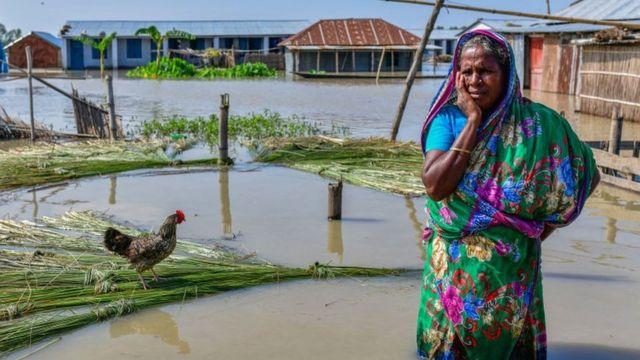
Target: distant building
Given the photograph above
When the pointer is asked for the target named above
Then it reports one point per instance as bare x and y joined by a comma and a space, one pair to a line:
445, 39
45, 50
350, 46
130, 50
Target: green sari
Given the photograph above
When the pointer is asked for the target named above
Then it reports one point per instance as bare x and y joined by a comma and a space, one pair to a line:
481, 288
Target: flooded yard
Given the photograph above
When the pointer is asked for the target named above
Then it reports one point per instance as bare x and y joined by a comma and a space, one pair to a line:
591, 269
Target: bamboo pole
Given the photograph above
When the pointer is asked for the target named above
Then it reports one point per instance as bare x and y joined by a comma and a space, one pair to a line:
113, 128
417, 60
223, 141
380, 64
628, 25
32, 120
615, 132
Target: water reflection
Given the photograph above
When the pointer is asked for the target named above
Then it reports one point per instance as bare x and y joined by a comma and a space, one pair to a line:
112, 190
615, 205
417, 225
35, 204
334, 239
156, 323
225, 203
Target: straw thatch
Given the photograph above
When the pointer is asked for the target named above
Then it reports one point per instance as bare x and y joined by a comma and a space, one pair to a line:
610, 77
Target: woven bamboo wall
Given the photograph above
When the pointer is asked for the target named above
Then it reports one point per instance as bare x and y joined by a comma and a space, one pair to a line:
610, 77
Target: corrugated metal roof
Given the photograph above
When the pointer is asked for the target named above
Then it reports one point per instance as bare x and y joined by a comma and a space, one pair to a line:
50, 38
603, 10
197, 28
352, 32
563, 28
437, 34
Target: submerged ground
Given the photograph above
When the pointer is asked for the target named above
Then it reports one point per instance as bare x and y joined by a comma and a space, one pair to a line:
591, 269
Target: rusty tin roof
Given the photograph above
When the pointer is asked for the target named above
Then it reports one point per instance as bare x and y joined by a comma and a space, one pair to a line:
352, 33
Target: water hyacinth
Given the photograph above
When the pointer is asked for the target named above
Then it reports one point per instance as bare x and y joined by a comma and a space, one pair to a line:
176, 68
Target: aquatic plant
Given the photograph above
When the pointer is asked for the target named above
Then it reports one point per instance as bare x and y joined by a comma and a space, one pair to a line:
247, 128
164, 68
257, 69
176, 68
375, 163
48, 163
49, 285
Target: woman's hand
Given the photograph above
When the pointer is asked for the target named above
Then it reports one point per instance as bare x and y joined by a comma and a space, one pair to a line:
466, 103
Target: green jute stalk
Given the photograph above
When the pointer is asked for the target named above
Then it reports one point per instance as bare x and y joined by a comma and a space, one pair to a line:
49, 284
374, 163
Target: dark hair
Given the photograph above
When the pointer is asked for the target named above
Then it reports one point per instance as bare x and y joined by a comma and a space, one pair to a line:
491, 47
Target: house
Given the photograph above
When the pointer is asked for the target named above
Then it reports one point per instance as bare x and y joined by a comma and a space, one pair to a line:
45, 50
547, 57
350, 46
131, 50
444, 39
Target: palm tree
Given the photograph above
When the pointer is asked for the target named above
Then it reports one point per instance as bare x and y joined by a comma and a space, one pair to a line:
102, 44
157, 37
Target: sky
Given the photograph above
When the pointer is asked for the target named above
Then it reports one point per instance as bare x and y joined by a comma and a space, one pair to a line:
50, 15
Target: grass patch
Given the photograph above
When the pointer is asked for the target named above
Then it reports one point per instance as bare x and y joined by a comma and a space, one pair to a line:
375, 163
55, 276
49, 162
246, 128
177, 68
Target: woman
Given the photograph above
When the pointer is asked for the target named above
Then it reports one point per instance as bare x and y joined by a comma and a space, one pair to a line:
501, 172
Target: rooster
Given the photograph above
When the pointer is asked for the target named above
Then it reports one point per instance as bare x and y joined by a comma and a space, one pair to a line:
144, 252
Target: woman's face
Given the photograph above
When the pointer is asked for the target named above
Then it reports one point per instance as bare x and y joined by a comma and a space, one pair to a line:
483, 77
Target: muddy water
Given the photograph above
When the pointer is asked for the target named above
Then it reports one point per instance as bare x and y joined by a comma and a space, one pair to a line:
591, 269
358, 104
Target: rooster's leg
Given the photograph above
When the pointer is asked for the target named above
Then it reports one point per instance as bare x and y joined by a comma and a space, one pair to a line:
144, 284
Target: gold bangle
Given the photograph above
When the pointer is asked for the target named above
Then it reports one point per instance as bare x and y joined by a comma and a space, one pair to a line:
465, 151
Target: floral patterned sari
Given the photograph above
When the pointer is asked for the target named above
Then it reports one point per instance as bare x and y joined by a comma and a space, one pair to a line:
481, 288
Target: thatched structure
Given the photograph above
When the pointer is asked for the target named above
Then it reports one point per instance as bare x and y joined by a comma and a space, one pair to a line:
610, 78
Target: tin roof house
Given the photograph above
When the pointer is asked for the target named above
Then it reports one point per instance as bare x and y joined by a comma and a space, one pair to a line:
131, 50
45, 50
546, 54
350, 48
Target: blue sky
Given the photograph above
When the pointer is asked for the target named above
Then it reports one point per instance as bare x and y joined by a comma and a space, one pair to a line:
50, 15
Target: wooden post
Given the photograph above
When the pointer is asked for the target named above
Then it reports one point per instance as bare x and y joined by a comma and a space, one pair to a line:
318, 61
113, 128
223, 144
417, 60
337, 61
380, 64
615, 132
30, 78
335, 201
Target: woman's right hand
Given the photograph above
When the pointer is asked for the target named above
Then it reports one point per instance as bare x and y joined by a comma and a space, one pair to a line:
466, 103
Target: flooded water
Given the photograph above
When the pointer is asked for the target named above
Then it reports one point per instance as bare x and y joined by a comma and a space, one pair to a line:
362, 106
591, 269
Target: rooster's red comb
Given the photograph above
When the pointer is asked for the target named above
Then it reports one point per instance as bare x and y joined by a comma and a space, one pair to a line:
180, 215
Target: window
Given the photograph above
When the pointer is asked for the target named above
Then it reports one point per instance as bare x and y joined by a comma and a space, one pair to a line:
134, 48
226, 43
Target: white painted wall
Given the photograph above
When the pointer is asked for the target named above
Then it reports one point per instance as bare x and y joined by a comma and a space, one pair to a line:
90, 62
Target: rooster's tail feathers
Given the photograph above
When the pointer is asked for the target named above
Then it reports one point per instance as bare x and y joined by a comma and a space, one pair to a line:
116, 241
